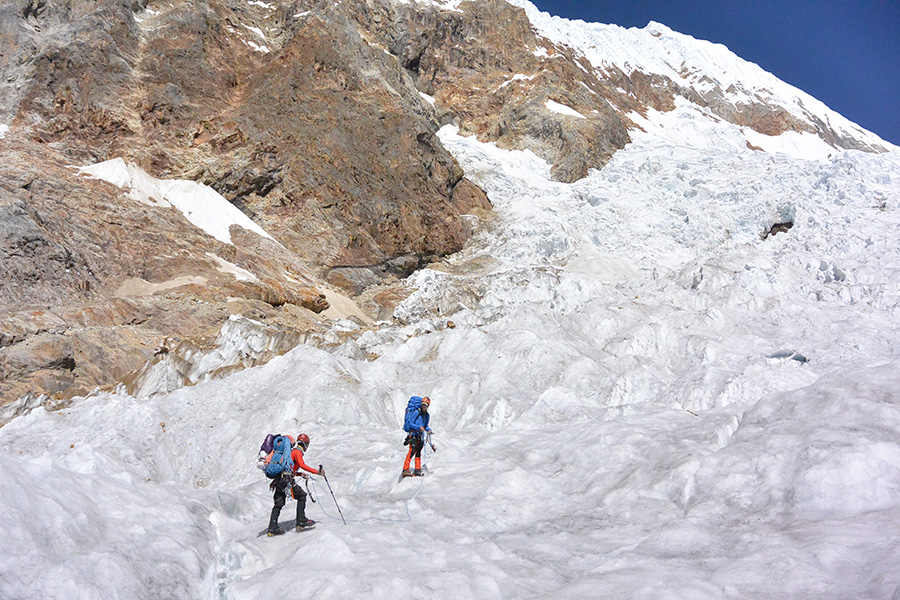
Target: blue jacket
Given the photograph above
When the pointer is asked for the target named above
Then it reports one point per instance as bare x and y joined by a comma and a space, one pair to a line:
419, 420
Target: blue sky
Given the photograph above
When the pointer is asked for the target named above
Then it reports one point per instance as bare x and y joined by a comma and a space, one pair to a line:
845, 53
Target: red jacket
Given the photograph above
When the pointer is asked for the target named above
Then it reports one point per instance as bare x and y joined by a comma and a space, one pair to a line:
297, 457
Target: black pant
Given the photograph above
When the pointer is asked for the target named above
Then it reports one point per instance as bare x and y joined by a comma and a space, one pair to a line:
285, 484
416, 443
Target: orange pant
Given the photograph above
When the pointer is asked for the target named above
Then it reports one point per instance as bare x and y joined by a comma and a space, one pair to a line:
416, 443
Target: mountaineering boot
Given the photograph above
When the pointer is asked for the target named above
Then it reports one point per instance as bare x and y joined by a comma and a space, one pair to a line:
301, 520
274, 529
417, 473
303, 525
276, 511
406, 473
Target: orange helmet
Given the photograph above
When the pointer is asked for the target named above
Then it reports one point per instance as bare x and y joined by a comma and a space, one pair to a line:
303, 441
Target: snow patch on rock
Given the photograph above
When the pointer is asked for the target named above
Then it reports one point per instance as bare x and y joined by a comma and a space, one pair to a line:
200, 204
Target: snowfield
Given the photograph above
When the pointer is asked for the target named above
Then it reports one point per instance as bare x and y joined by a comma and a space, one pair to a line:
639, 397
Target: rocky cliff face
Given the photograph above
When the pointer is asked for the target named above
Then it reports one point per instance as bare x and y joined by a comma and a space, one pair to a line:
311, 131
307, 127
488, 67
316, 119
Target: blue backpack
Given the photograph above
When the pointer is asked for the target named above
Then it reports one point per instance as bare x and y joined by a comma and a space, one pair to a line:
281, 459
412, 414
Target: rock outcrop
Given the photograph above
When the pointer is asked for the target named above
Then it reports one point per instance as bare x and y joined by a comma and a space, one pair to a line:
488, 68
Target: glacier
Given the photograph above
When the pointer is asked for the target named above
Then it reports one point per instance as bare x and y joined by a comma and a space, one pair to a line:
618, 398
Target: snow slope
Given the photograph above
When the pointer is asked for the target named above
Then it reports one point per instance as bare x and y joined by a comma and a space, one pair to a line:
710, 69
639, 398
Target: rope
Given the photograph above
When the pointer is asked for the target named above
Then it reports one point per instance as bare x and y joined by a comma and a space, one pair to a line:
381, 519
314, 496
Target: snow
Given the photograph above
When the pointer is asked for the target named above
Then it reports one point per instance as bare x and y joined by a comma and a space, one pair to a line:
259, 33
516, 77
563, 109
617, 410
792, 143
695, 127
256, 31
429, 99
452, 5
223, 266
135, 286
205, 208
4, 129
143, 15
341, 306
702, 65
257, 47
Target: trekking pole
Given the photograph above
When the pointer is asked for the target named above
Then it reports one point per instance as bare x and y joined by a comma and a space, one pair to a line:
332, 495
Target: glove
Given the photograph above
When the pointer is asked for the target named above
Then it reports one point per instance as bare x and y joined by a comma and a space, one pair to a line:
321, 470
